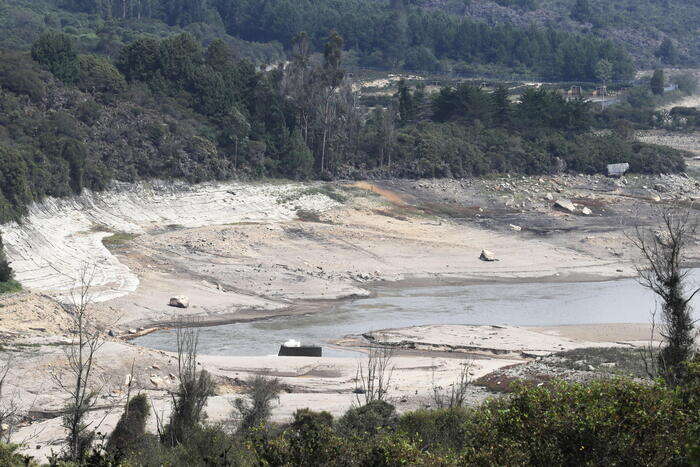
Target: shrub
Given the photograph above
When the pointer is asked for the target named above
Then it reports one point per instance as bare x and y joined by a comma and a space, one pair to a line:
6, 272
56, 51
10, 458
311, 440
129, 433
193, 391
601, 423
442, 429
255, 410
368, 420
96, 74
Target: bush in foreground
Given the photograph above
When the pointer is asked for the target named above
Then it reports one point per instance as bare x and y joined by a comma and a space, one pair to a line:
612, 422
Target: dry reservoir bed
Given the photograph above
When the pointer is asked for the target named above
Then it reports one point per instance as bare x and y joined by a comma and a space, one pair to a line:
249, 251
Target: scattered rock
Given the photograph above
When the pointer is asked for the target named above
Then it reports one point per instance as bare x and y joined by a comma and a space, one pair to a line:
487, 255
515, 228
180, 302
111, 333
549, 197
608, 365
586, 212
132, 331
157, 381
565, 205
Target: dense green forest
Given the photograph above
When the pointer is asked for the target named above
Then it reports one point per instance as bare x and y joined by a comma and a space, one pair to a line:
376, 34
169, 108
653, 31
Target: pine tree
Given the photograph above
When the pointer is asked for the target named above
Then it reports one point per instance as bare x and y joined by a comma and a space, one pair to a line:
56, 51
501, 106
604, 71
299, 158
667, 52
407, 108
657, 82
582, 11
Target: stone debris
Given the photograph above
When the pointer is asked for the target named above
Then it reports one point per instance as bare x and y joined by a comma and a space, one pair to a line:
487, 255
565, 205
157, 381
180, 301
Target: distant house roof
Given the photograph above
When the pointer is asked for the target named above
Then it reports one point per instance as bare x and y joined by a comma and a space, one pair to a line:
618, 169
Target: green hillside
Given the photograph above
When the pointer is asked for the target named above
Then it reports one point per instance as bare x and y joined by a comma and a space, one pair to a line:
376, 34
640, 26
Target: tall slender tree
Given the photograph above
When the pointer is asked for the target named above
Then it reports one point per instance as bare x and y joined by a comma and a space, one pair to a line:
657, 82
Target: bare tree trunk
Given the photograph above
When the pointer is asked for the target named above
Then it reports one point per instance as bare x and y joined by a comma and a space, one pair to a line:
77, 379
194, 389
373, 380
9, 407
456, 394
325, 131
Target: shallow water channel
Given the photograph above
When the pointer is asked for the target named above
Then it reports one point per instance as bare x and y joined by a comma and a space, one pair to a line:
513, 303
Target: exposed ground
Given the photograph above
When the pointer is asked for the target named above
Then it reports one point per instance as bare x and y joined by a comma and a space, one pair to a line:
246, 251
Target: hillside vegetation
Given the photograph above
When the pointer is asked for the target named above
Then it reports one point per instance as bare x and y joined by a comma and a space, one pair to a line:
652, 31
171, 109
376, 34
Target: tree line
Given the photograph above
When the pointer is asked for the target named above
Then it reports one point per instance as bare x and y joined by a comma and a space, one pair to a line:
204, 114
387, 35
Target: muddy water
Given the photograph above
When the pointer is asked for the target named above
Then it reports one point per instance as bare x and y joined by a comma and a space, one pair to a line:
520, 304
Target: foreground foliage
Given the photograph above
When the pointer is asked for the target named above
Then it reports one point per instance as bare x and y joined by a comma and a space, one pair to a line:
610, 422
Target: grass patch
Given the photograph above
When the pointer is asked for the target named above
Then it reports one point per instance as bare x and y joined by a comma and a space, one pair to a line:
10, 287
307, 215
118, 239
500, 382
327, 190
614, 360
100, 228
455, 211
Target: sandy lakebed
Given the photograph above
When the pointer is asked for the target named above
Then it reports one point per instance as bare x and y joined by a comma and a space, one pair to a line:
253, 251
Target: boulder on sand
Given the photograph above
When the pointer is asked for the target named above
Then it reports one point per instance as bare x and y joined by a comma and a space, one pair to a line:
180, 302
487, 255
565, 205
